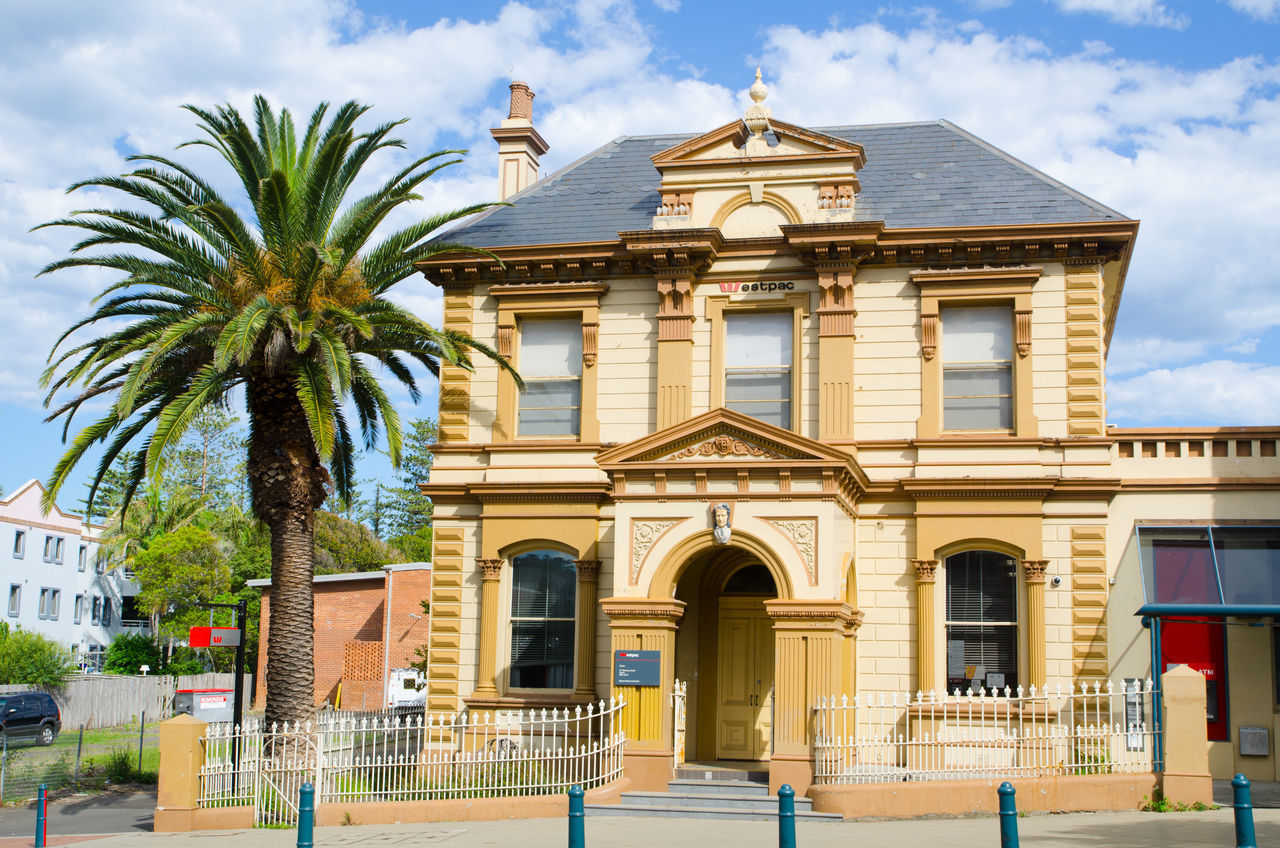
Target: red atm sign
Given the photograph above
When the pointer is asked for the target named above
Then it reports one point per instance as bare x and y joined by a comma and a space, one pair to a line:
214, 637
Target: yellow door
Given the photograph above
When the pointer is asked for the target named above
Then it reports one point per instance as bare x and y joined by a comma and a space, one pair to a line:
745, 666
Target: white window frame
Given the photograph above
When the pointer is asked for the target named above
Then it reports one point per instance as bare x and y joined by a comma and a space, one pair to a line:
19, 544
785, 318
1004, 365
95, 617
83, 562
572, 327
15, 600
78, 613
107, 615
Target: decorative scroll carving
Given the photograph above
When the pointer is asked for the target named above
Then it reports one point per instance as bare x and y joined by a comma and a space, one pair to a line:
803, 533
588, 570
1022, 334
490, 569
590, 343
724, 446
926, 570
1033, 569
929, 335
643, 536
506, 335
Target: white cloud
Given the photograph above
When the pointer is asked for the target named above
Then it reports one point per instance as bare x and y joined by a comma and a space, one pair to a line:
667, 5
1215, 393
987, 5
1263, 10
1134, 12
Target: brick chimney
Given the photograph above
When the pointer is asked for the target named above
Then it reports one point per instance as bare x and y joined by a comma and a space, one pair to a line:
519, 144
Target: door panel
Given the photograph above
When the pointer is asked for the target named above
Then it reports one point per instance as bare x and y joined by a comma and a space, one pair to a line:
745, 671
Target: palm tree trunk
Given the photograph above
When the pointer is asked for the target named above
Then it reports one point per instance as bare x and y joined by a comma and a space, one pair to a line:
288, 483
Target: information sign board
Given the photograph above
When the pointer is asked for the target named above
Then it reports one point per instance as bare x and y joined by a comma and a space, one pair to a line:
637, 668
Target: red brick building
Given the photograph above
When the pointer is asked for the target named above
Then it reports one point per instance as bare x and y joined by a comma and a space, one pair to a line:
357, 642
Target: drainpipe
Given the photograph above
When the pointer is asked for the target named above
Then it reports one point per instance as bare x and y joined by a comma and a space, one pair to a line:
386, 640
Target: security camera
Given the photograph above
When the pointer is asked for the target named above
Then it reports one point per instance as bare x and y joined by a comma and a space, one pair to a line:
1056, 582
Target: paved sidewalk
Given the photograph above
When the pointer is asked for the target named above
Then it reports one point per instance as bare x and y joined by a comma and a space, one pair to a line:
1121, 830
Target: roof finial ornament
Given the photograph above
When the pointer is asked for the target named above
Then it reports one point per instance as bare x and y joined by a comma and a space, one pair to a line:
757, 117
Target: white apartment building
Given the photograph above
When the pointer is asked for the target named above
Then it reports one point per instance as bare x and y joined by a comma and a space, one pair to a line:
56, 583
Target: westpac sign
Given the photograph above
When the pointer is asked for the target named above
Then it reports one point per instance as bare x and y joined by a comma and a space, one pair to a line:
757, 288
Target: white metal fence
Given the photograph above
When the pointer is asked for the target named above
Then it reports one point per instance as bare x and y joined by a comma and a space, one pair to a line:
415, 758
893, 737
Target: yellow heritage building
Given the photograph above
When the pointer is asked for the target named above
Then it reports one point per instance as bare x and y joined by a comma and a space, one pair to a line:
819, 412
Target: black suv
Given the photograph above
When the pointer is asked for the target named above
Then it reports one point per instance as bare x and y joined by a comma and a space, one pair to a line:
30, 715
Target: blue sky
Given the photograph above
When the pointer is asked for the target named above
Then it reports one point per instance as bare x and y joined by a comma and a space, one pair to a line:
1168, 111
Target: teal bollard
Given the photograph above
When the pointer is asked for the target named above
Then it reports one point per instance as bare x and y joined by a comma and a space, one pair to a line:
1008, 816
42, 816
786, 817
307, 816
1242, 800
577, 819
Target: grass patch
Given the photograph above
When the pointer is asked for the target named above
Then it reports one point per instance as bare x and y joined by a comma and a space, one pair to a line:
1157, 803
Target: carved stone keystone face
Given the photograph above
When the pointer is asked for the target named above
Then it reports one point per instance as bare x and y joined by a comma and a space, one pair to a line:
721, 528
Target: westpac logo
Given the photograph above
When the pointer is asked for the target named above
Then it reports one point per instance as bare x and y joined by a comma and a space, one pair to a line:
744, 288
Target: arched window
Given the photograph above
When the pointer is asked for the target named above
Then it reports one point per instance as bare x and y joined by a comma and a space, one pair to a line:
982, 620
543, 587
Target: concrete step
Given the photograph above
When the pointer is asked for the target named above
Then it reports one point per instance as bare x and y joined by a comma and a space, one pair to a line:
719, 787
764, 803
640, 811
720, 773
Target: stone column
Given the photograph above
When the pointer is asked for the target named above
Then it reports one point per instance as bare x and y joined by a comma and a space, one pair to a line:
835, 351
1033, 572
646, 624
181, 758
588, 575
808, 639
675, 348
1186, 744
490, 588
927, 636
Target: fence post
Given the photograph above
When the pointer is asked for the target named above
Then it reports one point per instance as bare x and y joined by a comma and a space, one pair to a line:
786, 816
79, 750
42, 816
142, 729
1185, 749
1243, 802
577, 819
306, 816
1008, 816
4, 762
181, 759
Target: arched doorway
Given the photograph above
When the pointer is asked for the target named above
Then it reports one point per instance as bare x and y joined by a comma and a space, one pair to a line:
725, 651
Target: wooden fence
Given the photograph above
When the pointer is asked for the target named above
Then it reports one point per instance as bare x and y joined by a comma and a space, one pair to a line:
106, 700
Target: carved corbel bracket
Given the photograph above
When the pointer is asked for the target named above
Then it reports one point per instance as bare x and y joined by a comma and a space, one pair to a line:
1022, 331
929, 335
506, 338
590, 343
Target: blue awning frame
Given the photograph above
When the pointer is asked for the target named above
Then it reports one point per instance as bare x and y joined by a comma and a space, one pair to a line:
1154, 613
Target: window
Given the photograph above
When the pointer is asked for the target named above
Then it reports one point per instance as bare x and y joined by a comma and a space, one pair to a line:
78, 612
50, 601
106, 612
19, 543
550, 362
757, 365
982, 621
100, 561
84, 557
53, 549
15, 599
543, 590
977, 368
96, 618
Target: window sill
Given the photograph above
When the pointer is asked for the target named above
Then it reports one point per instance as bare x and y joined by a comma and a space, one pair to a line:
531, 700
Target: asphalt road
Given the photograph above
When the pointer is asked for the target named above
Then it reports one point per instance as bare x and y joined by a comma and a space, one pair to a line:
114, 811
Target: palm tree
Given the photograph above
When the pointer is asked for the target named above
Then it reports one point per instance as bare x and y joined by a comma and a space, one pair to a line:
281, 297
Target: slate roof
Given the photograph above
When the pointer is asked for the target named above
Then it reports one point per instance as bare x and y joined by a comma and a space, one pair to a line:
930, 174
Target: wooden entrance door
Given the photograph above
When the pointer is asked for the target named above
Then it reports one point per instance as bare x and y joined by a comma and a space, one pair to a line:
745, 669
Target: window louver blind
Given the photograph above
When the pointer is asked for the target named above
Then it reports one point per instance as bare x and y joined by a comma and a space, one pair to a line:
543, 596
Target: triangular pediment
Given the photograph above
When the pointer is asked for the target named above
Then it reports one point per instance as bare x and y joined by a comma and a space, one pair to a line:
725, 144
722, 436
